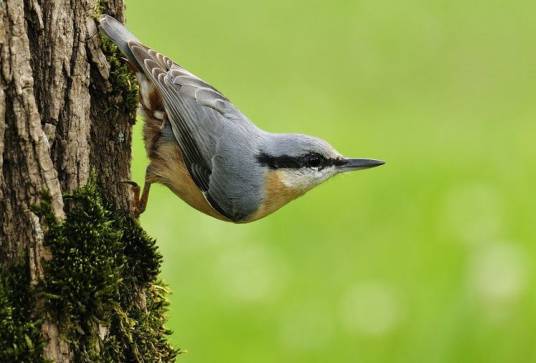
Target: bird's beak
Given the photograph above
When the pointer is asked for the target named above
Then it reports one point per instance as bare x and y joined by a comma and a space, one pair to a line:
359, 164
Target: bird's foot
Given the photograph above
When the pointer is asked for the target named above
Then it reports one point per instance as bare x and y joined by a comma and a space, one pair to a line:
139, 203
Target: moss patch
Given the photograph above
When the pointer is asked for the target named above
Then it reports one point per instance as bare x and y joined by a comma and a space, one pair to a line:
124, 82
20, 335
99, 9
101, 285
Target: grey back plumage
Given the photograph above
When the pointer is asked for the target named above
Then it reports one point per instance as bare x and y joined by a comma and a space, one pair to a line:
217, 141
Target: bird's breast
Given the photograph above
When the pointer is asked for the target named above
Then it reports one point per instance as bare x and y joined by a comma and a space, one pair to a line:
168, 167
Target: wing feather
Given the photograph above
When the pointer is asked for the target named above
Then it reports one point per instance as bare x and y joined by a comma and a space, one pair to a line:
199, 115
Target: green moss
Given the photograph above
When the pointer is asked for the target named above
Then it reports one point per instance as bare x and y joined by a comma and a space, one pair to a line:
124, 83
101, 284
20, 336
99, 9
147, 333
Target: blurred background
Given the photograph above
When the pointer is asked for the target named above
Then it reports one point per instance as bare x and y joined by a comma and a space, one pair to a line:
430, 258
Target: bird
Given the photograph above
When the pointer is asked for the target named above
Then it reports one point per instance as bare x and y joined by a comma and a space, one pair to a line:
208, 152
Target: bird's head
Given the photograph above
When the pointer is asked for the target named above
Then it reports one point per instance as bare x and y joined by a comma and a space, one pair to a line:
303, 162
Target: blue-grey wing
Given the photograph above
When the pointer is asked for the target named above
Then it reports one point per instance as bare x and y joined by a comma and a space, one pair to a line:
214, 136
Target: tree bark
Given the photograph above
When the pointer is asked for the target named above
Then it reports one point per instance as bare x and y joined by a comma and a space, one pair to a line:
65, 117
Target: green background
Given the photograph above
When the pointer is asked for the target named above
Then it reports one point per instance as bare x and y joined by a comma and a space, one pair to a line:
429, 258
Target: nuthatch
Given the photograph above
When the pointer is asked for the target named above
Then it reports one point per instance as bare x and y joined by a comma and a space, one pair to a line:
210, 154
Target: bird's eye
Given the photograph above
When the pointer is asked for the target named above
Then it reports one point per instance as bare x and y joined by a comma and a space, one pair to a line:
314, 161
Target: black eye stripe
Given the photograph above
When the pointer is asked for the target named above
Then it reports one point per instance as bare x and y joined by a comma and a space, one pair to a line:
310, 160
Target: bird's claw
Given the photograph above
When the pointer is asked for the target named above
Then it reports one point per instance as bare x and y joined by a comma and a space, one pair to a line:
138, 208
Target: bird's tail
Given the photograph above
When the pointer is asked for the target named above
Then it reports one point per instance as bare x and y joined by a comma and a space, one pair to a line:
119, 34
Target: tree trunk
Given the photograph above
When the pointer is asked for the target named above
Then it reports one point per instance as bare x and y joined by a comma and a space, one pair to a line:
67, 105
